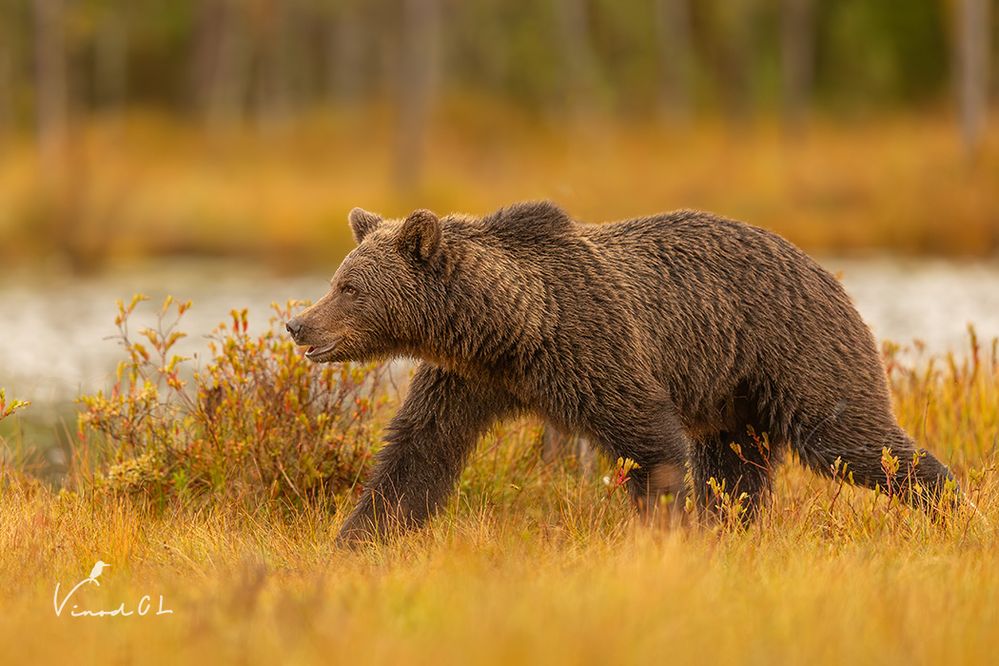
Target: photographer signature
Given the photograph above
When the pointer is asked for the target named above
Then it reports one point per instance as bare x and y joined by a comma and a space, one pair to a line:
144, 607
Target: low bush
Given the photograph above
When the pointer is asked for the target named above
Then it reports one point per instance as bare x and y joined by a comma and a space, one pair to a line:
8, 408
259, 423
949, 402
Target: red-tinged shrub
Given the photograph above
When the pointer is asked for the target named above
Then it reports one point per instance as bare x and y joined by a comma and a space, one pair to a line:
258, 423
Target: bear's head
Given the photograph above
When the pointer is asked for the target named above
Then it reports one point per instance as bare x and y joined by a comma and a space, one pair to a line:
384, 295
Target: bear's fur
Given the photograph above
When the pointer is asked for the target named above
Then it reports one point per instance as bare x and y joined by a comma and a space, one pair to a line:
664, 339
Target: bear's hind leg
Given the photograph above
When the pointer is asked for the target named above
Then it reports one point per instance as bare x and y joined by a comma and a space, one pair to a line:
741, 464
920, 478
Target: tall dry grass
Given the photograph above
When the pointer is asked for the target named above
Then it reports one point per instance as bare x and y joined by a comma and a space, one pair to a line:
534, 562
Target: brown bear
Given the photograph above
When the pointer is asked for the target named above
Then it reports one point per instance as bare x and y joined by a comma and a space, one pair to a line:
668, 339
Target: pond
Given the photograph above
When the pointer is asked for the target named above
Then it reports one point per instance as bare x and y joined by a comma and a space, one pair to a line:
56, 330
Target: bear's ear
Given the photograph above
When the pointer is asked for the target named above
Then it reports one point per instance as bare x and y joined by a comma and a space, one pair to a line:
420, 235
362, 223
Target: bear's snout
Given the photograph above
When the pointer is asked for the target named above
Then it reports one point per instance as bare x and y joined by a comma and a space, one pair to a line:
294, 327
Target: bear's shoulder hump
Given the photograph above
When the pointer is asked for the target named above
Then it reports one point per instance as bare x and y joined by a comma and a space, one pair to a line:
529, 218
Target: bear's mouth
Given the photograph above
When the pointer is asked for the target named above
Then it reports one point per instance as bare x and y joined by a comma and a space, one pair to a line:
317, 354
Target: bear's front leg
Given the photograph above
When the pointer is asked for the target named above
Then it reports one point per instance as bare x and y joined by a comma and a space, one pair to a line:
426, 447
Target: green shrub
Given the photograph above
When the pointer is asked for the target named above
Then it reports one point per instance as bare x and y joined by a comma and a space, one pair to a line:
8, 408
258, 423
11, 462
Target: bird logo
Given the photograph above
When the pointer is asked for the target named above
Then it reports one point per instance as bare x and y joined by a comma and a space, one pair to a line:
96, 571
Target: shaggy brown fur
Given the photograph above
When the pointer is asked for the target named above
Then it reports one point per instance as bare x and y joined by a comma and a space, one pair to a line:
663, 339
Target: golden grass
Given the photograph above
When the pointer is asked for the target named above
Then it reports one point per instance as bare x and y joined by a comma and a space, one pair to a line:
530, 562
146, 184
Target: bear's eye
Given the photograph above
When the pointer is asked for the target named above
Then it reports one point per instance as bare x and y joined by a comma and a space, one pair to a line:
349, 290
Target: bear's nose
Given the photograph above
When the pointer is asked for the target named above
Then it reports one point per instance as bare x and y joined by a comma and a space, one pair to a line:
294, 327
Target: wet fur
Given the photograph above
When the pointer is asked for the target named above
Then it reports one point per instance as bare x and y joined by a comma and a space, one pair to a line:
662, 338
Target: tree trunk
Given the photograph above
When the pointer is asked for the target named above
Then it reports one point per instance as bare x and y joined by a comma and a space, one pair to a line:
797, 60
63, 173
676, 58
577, 55
973, 52
111, 61
736, 18
222, 61
417, 73
6, 87
274, 71
345, 51
50, 82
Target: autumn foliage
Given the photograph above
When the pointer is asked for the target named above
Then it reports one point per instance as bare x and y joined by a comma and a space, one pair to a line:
257, 423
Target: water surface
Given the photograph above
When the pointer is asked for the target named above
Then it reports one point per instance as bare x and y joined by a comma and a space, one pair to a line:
55, 330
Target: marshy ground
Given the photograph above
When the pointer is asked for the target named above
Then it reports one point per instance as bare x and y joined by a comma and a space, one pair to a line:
530, 561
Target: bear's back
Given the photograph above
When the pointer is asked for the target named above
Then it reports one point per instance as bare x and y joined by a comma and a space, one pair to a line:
723, 296
703, 303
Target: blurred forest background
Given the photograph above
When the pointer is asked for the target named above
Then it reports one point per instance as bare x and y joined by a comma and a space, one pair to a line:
248, 128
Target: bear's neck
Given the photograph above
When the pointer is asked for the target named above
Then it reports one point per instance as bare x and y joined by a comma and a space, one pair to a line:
494, 317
